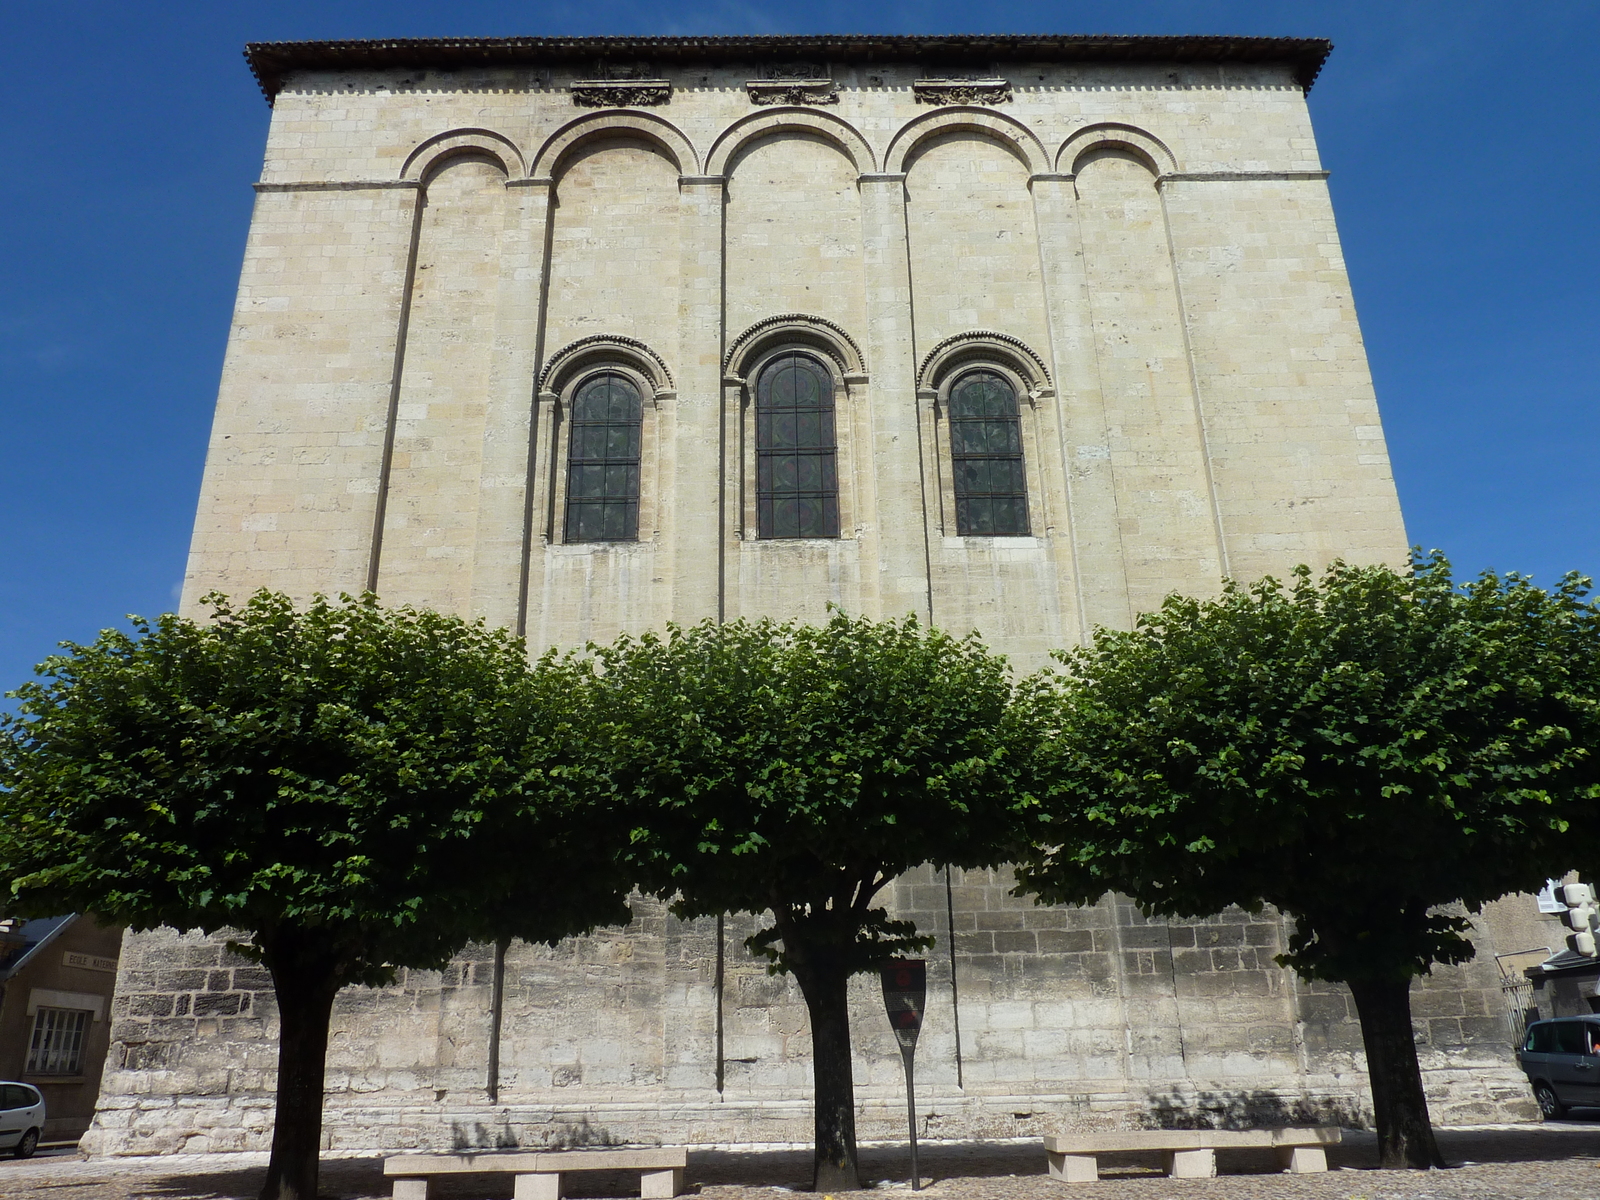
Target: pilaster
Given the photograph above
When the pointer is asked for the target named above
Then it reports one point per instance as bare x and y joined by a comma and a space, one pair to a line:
895, 496
1099, 574
295, 470
506, 501
698, 521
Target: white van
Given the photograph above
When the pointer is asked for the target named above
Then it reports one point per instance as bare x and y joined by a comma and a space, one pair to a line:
21, 1118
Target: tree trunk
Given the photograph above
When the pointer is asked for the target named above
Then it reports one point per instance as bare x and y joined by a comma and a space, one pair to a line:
834, 1100
1405, 1134
306, 982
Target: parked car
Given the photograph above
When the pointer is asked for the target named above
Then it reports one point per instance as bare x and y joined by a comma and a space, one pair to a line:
1562, 1061
21, 1118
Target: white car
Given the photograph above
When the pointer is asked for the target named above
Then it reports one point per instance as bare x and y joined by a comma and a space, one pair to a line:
21, 1118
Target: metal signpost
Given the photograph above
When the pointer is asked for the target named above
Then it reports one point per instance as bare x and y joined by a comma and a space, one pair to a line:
905, 995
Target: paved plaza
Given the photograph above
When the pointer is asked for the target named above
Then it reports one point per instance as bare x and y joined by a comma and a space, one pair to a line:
1559, 1161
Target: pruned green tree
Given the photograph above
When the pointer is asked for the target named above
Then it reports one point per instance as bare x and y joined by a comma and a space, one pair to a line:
1362, 753
345, 790
795, 770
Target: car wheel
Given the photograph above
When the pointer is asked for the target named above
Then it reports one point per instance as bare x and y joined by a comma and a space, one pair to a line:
28, 1144
1551, 1108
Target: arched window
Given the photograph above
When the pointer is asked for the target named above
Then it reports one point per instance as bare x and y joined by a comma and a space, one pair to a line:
603, 461
797, 477
986, 457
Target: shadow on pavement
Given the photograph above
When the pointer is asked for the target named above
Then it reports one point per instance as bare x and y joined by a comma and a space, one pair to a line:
790, 1170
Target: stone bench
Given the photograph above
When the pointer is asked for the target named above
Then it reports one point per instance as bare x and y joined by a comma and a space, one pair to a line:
1188, 1153
538, 1173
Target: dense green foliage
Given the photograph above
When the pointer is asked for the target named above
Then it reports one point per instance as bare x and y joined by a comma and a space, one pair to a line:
1361, 752
348, 767
793, 768
1356, 753
796, 770
346, 789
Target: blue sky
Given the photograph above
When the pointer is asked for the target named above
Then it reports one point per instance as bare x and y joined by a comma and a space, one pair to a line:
1463, 139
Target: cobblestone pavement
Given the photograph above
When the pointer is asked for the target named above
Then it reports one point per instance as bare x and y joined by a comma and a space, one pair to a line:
1559, 1161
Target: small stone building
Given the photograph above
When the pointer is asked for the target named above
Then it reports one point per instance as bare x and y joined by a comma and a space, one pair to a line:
56, 981
1565, 985
583, 336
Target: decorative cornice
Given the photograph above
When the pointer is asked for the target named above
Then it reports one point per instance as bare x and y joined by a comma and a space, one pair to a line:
279, 64
978, 339
792, 91
798, 322
1236, 176
962, 91
595, 345
340, 185
621, 93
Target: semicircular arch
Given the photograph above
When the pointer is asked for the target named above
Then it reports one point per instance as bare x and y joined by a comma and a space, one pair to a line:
795, 329
601, 349
648, 126
1112, 135
435, 151
983, 346
830, 128
1008, 131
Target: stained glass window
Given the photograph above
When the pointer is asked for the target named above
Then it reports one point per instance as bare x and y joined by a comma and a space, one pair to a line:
797, 482
986, 454
603, 461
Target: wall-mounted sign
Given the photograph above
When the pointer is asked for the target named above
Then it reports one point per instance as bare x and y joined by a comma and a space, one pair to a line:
1547, 898
88, 962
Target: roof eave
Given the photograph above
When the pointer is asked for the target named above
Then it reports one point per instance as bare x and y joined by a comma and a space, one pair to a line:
272, 62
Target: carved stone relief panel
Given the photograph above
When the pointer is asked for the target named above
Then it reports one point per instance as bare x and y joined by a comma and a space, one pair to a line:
619, 93
962, 91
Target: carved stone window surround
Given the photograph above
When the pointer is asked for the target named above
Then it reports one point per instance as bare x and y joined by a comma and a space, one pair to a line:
554, 416
943, 367
739, 398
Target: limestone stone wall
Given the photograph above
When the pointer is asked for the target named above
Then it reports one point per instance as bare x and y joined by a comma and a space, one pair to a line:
437, 258
1069, 1018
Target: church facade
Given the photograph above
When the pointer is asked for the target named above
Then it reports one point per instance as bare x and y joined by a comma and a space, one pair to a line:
583, 336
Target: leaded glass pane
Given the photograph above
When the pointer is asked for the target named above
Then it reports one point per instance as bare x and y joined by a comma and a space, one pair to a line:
603, 461
986, 457
797, 483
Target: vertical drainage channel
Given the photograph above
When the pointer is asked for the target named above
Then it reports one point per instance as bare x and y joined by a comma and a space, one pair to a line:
395, 377
497, 995
955, 992
722, 541
721, 1068
1194, 387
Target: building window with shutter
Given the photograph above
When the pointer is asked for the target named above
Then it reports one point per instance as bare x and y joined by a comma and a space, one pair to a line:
57, 1044
797, 473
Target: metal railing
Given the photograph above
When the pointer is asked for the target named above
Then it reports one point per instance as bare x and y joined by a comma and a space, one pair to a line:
1516, 991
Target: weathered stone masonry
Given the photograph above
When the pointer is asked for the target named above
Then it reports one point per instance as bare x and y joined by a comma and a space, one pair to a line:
450, 238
